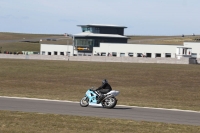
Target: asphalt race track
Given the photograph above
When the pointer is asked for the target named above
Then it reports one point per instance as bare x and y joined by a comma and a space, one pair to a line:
122, 112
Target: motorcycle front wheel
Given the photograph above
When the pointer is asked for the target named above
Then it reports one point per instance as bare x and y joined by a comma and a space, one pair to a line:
84, 102
109, 103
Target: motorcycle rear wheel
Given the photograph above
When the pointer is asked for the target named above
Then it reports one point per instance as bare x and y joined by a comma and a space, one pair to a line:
84, 102
109, 103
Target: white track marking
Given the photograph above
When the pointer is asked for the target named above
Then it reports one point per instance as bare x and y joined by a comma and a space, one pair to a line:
26, 98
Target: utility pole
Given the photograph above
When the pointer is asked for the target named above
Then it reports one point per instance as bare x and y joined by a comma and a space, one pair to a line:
68, 49
73, 45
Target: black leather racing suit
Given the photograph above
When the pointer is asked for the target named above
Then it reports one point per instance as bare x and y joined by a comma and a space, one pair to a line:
104, 88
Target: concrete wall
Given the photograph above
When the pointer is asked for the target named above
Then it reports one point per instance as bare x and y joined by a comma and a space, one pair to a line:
99, 59
34, 57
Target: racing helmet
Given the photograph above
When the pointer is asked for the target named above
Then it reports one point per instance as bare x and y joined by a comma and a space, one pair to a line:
104, 81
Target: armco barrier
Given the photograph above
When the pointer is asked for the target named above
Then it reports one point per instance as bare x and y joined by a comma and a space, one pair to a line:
103, 59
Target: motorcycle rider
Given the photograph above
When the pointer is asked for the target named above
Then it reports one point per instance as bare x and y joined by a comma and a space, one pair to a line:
103, 89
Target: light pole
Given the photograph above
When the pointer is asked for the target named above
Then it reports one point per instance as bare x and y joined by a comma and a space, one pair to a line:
73, 46
68, 49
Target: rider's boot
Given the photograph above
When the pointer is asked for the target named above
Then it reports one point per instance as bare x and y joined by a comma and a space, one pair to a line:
101, 96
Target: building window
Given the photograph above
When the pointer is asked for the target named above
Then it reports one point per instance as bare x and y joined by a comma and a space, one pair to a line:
158, 54
168, 55
114, 54
84, 29
139, 55
61, 53
122, 54
130, 54
43, 52
55, 53
103, 54
148, 55
49, 53
84, 43
97, 30
194, 55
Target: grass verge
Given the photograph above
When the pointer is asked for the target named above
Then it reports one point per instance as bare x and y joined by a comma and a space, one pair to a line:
49, 123
153, 85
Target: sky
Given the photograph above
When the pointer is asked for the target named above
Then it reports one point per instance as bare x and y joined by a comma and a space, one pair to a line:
142, 17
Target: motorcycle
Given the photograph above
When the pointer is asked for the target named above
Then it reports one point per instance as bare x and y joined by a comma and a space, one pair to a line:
91, 96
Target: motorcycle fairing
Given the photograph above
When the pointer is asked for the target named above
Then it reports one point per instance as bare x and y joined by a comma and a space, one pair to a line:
113, 92
92, 96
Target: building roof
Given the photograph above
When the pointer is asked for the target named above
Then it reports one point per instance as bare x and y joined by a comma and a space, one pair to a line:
103, 25
89, 34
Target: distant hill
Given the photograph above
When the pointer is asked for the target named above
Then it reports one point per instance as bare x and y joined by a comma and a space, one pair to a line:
31, 42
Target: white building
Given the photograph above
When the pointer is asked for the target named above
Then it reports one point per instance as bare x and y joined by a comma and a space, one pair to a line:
109, 40
54, 49
189, 49
195, 48
142, 50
